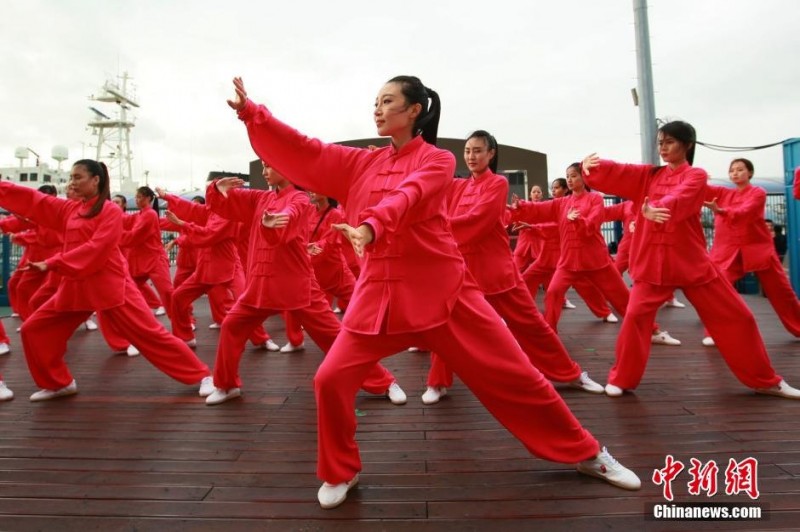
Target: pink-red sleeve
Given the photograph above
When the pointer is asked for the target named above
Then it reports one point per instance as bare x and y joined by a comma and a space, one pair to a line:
42, 208
239, 206
93, 255
186, 210
534, 212
435, 172
627, 181
145, 223
483, 216
686, 199
614, 212
214, 232
297, 207
589, 222
324, 168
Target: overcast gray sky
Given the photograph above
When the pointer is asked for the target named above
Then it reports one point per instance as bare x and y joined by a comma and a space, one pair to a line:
551, 76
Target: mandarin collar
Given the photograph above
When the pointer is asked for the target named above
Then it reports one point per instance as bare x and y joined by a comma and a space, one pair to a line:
408, 147
285, 190
681, 168
483, 175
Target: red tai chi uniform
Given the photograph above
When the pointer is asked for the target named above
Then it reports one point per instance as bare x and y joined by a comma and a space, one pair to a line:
476, 210
146, 256
280, 278
414, 259
670, 255
95, 278
742, 244
584, 255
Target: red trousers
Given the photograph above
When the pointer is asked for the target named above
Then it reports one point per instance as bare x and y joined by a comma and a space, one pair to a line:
22, 286
46, 291
150, 296
777, 289
541, 345
220, 298
317, 319
115, 340
586, 290
45, 335
607, 280
161, 280
510, 387
189, 291
728, 319
294, 332
3, 336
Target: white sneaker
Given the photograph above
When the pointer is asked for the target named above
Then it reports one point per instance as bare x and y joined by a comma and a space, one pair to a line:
45, 395
206, 386
192, 343
614, 391
663, 338
5, 392
160, 311
674, 303
433, 394
708, 342
214, 325
14, 315
220, 396
337, 310
132, 351
781, 390
270, 345
19, 329
194, 327
90, 325
413, 349
291, 348
606, 467
568, 304
587, 384
611, 318
396, 394
4, 348
332, 495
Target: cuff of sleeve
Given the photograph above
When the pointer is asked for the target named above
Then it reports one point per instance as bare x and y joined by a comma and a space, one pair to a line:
248, 111
52, 262
376, 226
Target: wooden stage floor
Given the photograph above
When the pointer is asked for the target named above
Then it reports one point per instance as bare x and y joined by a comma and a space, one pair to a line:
135, 450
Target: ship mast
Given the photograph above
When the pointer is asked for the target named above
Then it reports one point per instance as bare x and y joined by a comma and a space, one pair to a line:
114, 134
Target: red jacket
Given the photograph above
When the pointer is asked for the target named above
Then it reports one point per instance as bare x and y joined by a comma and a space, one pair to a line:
143, 243
671, 253
279, 272
213, 236
328, 264
413, 272
741, 228
477, 210
40, 244
582, 245
93, 268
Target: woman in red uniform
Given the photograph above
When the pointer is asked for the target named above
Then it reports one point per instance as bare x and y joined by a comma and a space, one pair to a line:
523, 253
625, 212
95, 278
145, 249
395, 198
218, 270
330, 266
281, 279
546, 246
743, 244
476, 211
668, 252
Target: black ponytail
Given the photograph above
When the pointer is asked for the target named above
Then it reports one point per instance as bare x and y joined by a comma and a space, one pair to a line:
103, 190
427, 123
148, 193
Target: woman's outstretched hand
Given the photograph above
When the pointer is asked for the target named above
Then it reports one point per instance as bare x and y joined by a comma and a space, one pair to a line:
241, 95
658, 215
589, 162
274, 220
359, 237
227, 183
